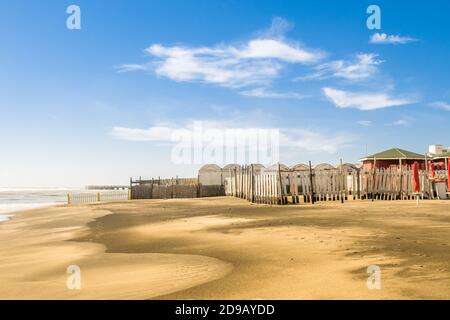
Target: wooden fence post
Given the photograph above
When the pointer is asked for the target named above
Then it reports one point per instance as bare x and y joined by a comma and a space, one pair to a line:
358, 182
341, 188
252, 184
280, 189
311, 181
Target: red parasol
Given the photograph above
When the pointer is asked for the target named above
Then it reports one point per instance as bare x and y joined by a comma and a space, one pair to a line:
448, 175
416, 177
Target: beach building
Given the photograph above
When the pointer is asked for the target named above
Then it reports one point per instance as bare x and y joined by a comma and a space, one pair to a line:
392, 157
439, 156
210, 175
438, 169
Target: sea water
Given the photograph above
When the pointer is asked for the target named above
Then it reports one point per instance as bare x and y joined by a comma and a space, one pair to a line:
18, 199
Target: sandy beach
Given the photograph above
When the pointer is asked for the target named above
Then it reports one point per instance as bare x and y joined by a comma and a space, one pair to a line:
227, 248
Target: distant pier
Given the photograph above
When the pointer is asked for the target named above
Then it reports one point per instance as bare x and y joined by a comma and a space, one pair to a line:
107, 187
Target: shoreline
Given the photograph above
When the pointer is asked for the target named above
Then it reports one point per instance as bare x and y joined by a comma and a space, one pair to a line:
7, 215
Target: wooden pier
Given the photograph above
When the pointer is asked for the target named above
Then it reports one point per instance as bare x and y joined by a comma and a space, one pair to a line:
106, 187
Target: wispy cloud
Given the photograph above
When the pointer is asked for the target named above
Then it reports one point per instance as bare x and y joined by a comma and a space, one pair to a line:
255, 62
277, 30
159, 133
312, 141
364, 100
364, 66
400, 122
365, 123
383, 38
264, 93
130, 67
440, 105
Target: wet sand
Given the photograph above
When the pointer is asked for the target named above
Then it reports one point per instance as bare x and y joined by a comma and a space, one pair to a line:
226, 248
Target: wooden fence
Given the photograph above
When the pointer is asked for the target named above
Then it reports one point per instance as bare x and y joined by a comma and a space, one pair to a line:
282, 187
172, 188
92, 197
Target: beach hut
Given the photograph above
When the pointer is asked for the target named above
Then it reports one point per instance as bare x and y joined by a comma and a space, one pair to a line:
393, 157
229, 169
210, 175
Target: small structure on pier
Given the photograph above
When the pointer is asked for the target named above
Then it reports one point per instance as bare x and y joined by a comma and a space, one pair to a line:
106, 187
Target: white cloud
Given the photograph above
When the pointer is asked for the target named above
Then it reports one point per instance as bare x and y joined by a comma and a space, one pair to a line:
400, 122
276, 49
440, 105
257, 61
365, 123
383, 38
155, 133
311, 141
278, 29
364, 66
264, 93
130, 67
219, 66
364, 101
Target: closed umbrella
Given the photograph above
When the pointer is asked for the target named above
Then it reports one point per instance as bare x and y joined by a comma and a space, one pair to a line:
416, 177
448, 175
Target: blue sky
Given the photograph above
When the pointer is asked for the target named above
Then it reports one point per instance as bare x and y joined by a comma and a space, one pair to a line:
96, 105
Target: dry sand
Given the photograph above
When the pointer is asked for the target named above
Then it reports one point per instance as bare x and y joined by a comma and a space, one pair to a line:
226, 248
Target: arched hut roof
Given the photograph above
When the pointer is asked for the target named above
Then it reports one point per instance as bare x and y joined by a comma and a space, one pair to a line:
257, 167
324, 166
275, 167
210, 167
300, 167
231, 166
